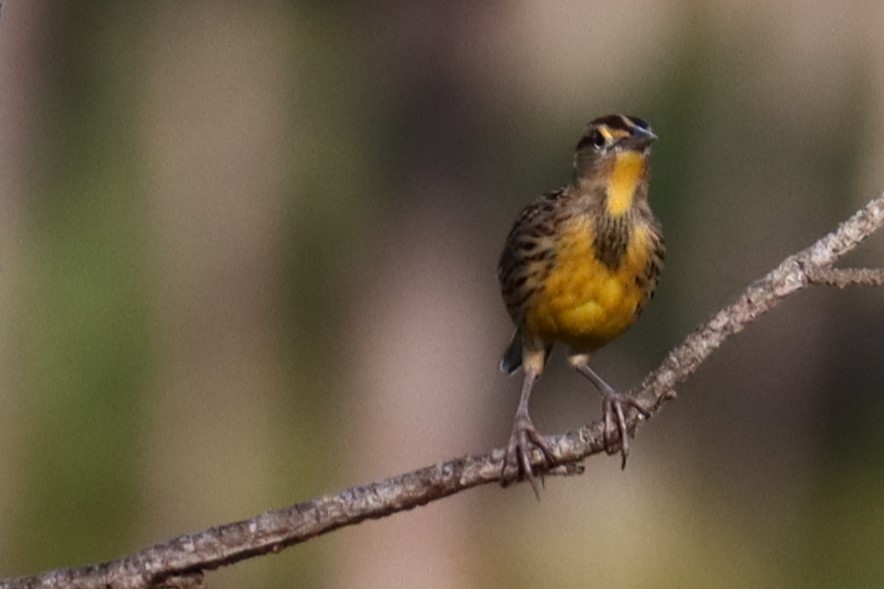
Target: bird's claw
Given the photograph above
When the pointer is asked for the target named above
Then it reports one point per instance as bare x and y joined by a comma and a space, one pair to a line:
524, 439
613, 409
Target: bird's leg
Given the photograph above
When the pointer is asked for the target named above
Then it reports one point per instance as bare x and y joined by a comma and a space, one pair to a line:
525, 437
612, 405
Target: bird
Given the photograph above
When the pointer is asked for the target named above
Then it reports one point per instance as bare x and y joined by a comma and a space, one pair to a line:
578, 266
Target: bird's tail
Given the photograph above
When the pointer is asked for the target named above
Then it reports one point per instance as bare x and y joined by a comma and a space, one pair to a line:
512, 357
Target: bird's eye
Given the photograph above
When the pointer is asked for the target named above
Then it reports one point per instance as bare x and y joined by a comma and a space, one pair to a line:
592, 138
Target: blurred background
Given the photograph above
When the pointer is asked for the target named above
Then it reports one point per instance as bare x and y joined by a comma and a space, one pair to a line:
248, 252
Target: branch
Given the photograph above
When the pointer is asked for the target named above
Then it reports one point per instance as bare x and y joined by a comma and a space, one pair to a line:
181, 562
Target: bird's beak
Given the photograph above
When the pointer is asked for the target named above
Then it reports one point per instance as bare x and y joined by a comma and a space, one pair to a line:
648, 135
640, 139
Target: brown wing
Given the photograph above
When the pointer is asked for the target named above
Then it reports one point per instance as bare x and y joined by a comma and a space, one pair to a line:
527, 258
529, 253
649, 278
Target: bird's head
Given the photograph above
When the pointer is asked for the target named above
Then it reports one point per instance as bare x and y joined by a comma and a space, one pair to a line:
606, 136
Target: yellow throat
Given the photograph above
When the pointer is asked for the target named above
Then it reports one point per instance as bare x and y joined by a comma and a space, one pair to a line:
628, 168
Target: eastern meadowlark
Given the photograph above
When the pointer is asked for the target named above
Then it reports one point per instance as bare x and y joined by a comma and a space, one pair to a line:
578, 267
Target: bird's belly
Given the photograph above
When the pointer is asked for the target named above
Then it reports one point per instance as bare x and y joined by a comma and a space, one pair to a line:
584, 303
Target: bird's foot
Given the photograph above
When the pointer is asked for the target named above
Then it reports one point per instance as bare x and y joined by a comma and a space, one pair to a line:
523, 441
613, 408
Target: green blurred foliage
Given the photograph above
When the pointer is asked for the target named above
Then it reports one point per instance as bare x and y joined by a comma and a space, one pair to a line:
79, 328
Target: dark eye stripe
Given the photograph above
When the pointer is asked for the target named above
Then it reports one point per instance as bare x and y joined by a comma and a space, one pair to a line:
591, 138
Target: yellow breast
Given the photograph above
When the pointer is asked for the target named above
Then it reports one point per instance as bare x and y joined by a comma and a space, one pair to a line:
583, 303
